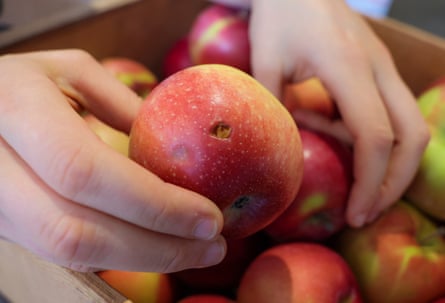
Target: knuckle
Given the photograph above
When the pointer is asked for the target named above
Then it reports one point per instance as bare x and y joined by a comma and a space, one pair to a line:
72, 171
65, 240
382, 139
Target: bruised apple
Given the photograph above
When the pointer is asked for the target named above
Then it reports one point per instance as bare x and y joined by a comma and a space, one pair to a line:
132, 73
141, 287
217, 131
318, 211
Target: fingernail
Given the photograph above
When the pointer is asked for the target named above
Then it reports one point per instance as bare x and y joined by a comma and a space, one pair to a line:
359, 220
214, 254
205, 229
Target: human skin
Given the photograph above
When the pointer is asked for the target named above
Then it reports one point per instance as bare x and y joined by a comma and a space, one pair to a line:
73, 200
380, 118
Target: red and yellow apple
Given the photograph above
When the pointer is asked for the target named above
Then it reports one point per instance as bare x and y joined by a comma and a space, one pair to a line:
219, 34
132, 73
141, 287
298, 272
217, 131
117, 140
318, 210
399, 258
177, 57
310, 95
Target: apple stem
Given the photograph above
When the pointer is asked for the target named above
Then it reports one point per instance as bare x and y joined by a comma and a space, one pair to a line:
439, 232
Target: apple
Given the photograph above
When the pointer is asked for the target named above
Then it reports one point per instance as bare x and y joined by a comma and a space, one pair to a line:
141, 287
427, 190
219, 34
216, 130
399, 258
442, 300
117, 140
298, 272
206, 298
132, 73
177, 57
310, 95
318, 210
225, 276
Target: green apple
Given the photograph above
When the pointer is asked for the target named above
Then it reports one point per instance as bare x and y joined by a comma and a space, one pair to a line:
427, 190
399, 258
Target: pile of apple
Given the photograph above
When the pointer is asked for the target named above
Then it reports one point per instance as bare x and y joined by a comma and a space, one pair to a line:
210, 127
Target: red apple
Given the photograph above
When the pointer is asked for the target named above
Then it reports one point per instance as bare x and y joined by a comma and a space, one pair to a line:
220, 35
310, 95
225, 276
217, 131
399, 258
177, 57
141, 287
132, 73
318, 211
298, 272
206, 298
117, 140
442, 300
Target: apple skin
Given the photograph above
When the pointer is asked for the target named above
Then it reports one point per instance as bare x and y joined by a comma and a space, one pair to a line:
117, 140
399, 258
225, 276
298, 272
206, 298
442, 300
427, 190
217, 131
132, 73
177, 57
141, 287
310, 95
318, 210
220, 35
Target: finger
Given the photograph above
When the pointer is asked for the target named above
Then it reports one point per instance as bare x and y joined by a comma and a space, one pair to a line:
312, 120
65, 153
83, 79
266, 65
366, 118
411, 136
83, 239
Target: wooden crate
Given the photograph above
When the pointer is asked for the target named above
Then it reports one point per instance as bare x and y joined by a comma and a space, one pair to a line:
135, 31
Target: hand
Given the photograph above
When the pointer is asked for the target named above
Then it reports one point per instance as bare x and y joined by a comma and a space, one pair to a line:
293, 40
70, 198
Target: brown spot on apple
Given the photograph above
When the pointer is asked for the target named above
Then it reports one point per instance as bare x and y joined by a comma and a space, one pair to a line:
221, 130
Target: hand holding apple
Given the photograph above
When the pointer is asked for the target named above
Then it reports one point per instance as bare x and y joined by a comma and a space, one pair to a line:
215, 130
